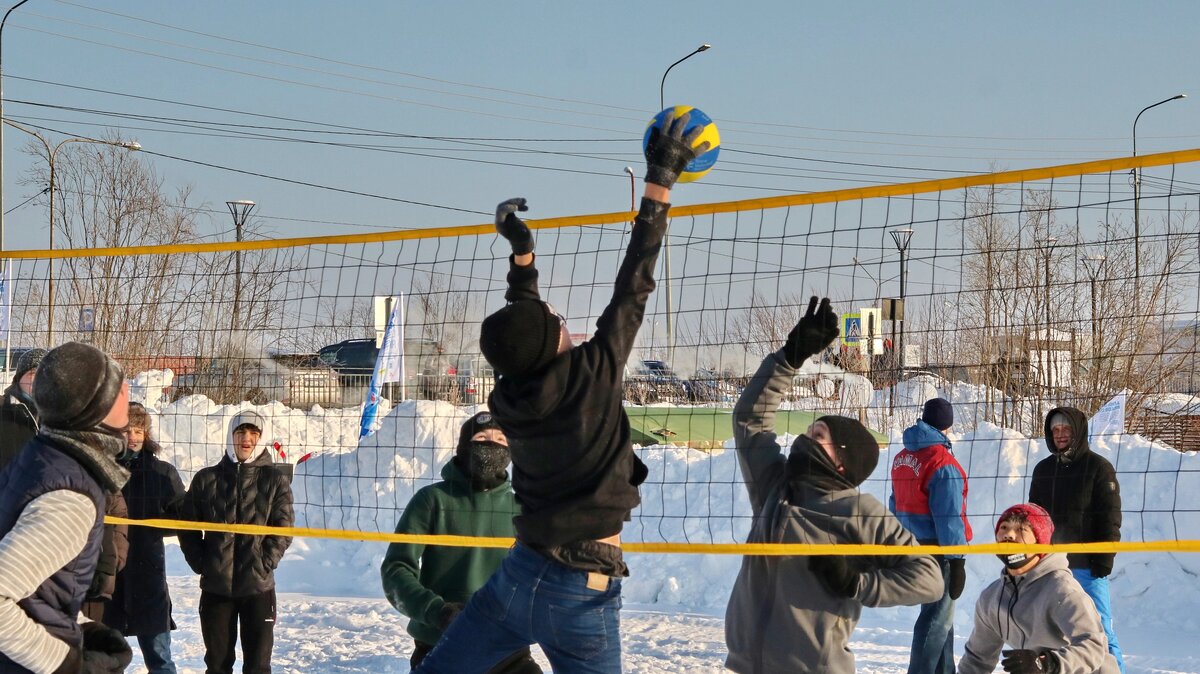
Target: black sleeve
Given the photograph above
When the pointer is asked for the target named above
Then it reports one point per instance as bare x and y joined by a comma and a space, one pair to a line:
522, 282
618, 325
1038, 489
1105, 511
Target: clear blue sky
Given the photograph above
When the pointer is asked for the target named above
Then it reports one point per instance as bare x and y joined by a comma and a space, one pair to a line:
945, 85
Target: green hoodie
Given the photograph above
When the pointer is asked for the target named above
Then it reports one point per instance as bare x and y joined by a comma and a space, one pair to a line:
420, 580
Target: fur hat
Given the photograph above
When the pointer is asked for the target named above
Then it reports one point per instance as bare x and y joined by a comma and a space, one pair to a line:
521, 338
139, 417
76, 387
939, 413
1035, 516
856, 447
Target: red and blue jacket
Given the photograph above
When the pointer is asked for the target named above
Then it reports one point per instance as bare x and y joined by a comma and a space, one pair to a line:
929, 489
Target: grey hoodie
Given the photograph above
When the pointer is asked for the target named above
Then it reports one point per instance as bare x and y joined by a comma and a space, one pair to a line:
780, 618
1044, 608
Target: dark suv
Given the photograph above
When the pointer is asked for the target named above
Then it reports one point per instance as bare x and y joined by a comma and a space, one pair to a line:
428, 374
653, 381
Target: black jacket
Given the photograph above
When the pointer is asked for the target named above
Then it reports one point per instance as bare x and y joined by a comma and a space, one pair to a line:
1079, 489
254, 492
574, 470
18, 425
141, 603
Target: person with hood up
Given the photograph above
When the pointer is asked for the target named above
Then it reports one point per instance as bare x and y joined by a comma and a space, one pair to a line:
431, 584
574, 471
1079, 489
1036, 608
18, 412
141, 601
237, 571
52, 500
797, 613
929, 497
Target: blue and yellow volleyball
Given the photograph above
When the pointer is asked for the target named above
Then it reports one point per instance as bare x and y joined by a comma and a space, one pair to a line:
698, 167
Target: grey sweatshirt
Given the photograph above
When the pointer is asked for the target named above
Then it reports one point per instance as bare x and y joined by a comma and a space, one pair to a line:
1044, 608
780, 618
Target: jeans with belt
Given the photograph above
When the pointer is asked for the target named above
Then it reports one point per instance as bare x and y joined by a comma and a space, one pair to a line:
573, 615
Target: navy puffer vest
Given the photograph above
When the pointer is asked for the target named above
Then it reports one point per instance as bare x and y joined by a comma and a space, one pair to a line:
41, 468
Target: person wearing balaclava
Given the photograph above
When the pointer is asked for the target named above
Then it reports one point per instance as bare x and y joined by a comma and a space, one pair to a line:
797, 613
237, 571
1035, 608
18, 412
430, 584
53, 496
1079, 489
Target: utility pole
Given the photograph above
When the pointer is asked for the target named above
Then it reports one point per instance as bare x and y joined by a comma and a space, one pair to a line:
240, 210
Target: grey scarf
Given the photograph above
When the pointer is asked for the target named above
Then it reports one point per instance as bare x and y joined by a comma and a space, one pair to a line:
95, 451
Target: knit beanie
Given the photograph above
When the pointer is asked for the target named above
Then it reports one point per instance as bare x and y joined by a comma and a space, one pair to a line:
30, 360
939, 413
856, 447
521, 338
482, 421
76, 387
1058, 419
1035, 516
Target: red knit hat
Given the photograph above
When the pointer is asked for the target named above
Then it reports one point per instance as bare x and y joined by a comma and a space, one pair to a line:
1034, 515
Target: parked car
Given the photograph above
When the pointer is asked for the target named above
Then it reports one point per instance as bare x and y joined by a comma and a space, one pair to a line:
710, 386
295, 380
653, 381
429, 375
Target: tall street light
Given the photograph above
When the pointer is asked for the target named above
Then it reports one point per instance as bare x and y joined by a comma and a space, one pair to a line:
666, 246
902, 237
632, 188
2, 22
240, 210
51, 157
1137, 195
1093, 264
1047, 246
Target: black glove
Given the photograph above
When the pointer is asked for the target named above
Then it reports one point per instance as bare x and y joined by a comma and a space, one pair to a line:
104, 649
668, 152
513, 228
835, 574
815, 331
1100, 569
957, 578
448, 613
1029, 662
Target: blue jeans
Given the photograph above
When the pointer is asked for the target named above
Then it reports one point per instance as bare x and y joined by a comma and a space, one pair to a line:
933, 635
156, 651
531, 599
1097, 589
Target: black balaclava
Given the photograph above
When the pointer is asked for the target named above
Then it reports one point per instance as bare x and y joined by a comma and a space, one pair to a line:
857, 450
484, 462
521, 338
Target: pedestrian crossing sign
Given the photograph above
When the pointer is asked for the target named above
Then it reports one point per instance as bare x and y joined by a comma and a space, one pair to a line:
851, 329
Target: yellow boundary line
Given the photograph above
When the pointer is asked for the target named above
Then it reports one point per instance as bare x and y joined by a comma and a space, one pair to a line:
767, 549
856, 193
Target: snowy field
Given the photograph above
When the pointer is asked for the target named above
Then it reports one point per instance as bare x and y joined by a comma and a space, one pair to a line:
332, 617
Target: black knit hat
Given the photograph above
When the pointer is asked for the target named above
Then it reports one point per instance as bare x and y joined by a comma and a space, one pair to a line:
76, 387
857, 448
480, 422
939, 413
30, 360
521, 338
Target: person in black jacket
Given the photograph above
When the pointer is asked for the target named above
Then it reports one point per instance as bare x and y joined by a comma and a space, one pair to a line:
574, 471
237, 571
18, 412
141, 602
1079, 489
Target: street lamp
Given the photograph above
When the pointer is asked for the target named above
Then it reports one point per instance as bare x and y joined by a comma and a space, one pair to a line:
1047, 246
1094, 264
2, 22
632, 188
666, 246
1137, 195
902, 237
240, 210
51, 157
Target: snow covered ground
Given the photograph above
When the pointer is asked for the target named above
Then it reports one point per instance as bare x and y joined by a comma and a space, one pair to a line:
332, 617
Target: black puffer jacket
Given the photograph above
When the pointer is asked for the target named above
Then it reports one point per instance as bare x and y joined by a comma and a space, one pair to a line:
18, 425
253, 492
1079, 489
141, 604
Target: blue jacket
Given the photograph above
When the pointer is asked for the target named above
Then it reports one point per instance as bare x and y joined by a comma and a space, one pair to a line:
929, 488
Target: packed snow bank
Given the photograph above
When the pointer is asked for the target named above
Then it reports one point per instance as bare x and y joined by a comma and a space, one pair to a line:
690, 496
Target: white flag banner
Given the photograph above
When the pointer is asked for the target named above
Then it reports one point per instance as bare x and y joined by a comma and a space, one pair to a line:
1109, 420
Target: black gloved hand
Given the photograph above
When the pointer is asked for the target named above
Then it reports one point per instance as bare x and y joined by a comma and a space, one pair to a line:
669, 151
1100, 569
104, 649
513, 228
1029, 662
816, 330
448, 613
957, 578
835, 574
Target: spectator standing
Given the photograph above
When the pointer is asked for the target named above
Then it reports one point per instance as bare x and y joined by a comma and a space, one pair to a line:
18, 411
